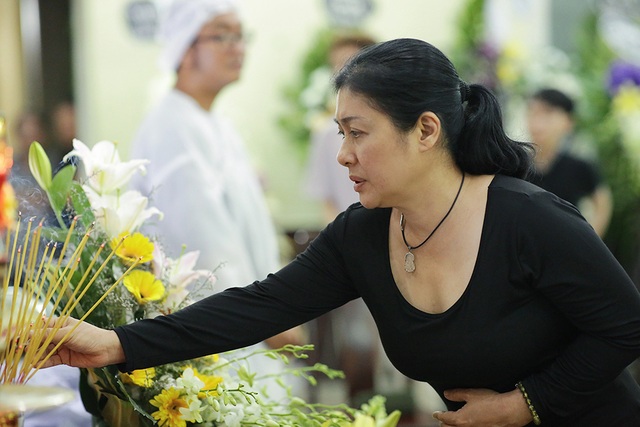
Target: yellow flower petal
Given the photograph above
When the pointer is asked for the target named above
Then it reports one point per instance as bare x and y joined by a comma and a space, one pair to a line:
140, 377
144, 286
134, 248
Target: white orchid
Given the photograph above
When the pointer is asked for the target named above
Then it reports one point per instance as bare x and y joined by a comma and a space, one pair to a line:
119, 213
193, 412
189, 382
232, 415
105, 172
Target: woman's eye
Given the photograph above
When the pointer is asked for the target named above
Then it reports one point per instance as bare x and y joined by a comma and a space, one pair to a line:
341, 133
354, 133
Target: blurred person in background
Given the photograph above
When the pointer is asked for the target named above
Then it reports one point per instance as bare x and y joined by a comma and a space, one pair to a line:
31, 126
63, 130
327, 180
550, 120
200, 175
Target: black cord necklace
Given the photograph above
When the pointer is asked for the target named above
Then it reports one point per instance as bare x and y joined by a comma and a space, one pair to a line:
409, 258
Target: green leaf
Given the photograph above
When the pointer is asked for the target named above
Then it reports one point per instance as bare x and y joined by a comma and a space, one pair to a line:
40, 166
81, 203
60, 188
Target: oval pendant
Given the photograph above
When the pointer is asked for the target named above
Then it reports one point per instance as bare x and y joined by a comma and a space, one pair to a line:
409, 264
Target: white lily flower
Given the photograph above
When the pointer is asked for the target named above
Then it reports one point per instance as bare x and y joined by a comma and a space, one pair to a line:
105, 172
175, 299
119, 213
158, 262
181, 272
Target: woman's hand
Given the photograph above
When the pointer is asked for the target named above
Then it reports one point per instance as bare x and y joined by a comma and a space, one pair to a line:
87, 347
485, 408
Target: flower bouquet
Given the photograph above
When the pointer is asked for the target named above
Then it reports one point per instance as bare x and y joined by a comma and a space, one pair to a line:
97, 266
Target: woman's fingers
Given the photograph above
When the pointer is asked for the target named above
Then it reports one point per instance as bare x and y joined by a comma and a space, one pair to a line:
447, 419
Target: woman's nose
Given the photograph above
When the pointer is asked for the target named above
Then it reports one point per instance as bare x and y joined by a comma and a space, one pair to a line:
345, 157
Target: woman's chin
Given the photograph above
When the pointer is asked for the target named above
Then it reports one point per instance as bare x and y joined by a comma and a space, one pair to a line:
369, 204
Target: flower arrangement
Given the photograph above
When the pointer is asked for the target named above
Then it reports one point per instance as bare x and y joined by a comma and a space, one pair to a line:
98, 266
624, 88
610, 82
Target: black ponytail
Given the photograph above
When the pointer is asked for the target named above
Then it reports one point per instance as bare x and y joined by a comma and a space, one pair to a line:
403, 78
483, 146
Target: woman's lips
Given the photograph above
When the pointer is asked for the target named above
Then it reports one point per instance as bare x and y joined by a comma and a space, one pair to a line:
358, 182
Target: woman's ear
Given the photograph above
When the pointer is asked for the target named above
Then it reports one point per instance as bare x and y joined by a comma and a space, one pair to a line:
429, 129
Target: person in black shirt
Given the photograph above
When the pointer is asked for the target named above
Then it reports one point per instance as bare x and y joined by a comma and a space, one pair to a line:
496, 292
572, 178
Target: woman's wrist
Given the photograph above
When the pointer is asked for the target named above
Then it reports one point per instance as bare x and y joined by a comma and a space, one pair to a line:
529, 405
114, 349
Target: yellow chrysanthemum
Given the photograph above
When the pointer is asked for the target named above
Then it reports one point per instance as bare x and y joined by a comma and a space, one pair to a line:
169, 403
140, 377
210, 383
144, 286
627, 100
135, 247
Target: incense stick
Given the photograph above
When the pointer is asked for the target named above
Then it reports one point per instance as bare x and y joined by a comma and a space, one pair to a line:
47, 289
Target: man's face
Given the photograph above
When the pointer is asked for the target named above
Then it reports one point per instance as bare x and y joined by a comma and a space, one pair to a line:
547, 124
339, 56
218, 52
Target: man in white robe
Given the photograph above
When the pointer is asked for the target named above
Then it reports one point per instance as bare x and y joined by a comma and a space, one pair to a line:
199, 174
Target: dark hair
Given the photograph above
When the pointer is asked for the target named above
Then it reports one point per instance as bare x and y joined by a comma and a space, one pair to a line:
555, 98
403, 78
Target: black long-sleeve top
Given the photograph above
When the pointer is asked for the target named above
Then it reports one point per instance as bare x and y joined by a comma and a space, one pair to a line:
547, 304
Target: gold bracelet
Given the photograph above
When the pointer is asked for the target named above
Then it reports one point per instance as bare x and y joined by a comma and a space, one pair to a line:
536, 417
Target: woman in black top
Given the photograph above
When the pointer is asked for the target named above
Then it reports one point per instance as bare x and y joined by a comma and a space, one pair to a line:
496, 292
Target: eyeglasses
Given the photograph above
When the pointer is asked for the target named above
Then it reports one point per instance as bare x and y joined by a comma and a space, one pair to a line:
224, 39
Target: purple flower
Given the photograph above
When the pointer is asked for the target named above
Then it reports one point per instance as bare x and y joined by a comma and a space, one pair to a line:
488, 51
622, 73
